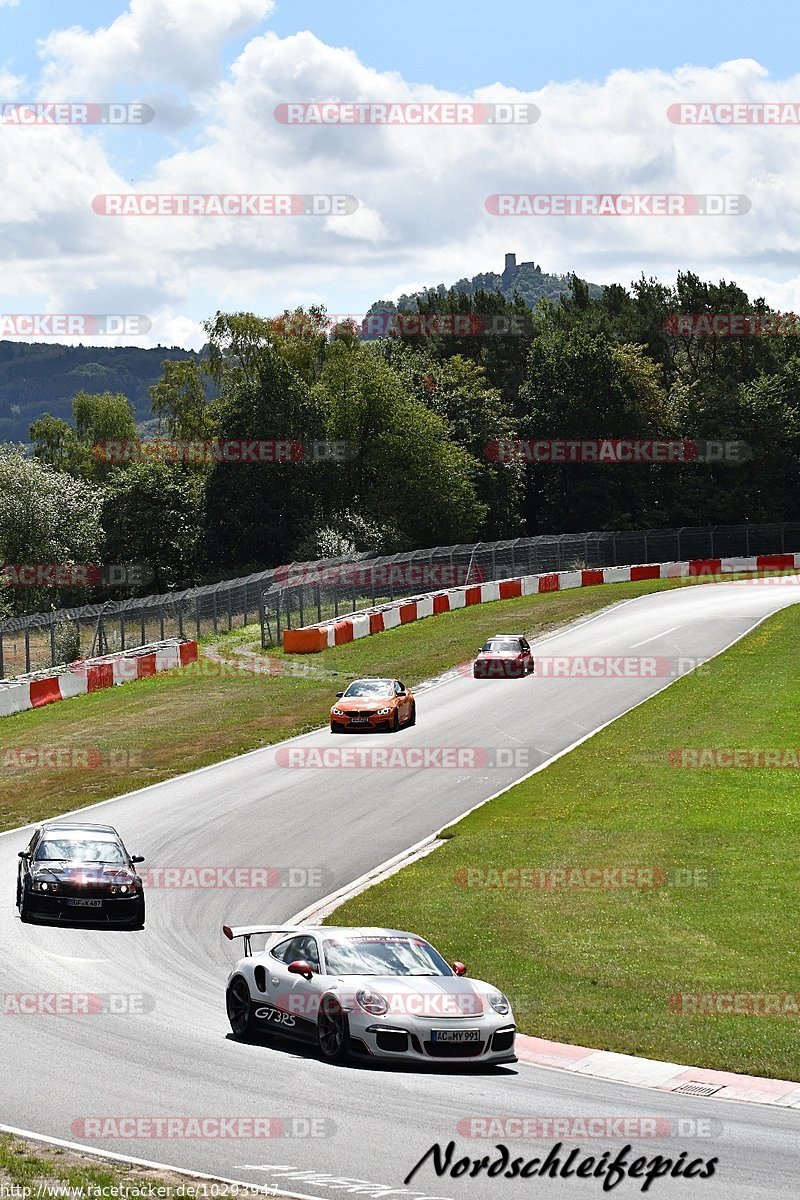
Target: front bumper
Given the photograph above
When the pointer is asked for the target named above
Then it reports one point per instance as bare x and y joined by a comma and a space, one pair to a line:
498, 668
116, 910
389, 1039
355, 723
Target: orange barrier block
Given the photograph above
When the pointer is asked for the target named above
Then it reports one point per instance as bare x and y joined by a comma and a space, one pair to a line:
705, 566
305, 641
342, 633
99, 677
408, 613
188, 652
45, 691
145, 666
549, 583
646, 572
590, 578
472, 596
376, 624
441, 604
510, 588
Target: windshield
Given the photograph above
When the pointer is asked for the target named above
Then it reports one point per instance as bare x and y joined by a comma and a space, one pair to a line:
383, 955
380, 689
79, 850
505, 645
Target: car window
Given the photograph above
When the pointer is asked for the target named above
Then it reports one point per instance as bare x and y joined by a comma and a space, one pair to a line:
279, 951
378, 689
78, 849
503, 644
299, 948
398, 691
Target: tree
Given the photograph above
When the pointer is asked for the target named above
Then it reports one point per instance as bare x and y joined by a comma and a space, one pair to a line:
48, 518
403, 471
152, 514
79, 449
179, 400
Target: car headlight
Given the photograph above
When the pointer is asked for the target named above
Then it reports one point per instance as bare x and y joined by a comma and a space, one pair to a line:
384, 712
337, 712
121, 888
372, 1002
500, 1004
42, 885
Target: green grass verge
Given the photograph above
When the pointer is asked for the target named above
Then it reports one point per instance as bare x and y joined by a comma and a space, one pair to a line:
598, 967
54, 1173
157, 728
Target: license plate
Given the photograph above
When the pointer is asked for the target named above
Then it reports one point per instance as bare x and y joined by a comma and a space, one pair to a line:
455, 1035
85, 903
359, 720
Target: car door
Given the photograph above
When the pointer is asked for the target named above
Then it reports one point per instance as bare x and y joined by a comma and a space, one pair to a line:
26, 859
289, 997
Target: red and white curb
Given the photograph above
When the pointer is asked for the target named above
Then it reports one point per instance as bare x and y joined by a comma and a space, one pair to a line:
80, 678
660, 1076
312, 639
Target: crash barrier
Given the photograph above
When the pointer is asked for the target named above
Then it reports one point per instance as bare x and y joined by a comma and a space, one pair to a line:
312, 639
80, 678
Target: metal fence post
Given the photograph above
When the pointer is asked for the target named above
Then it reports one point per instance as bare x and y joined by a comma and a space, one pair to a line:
319, 601
2, 669
121, 631
52, 642
27, 652
161, 619
197, 614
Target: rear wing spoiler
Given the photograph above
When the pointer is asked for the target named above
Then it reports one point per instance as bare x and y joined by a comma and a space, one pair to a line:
249, 931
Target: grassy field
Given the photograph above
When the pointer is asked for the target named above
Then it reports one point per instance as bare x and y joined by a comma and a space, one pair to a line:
602, 967
154, 729
53, 1173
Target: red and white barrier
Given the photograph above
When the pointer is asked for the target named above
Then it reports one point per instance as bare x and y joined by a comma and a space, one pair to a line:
80, 678
314, 638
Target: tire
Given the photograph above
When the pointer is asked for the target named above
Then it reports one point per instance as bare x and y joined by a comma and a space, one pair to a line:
412, 720
24, 914
239, 1009
395, 725
333, 1031
336, 728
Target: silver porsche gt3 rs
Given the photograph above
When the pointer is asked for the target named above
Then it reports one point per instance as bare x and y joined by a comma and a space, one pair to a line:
374, 993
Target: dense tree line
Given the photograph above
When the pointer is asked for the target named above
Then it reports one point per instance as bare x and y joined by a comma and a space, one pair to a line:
416, 412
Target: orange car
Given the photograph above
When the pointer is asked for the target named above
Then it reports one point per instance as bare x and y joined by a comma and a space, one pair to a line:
373, 704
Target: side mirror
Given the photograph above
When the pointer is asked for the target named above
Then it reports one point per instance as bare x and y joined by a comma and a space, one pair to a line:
137, 858
300, 967
339, 695
402, 686
459, 968
22, 854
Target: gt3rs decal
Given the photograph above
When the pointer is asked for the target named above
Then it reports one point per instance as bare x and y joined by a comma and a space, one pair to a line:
276, 1016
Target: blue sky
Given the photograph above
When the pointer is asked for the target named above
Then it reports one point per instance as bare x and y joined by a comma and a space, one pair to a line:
602, 74
461, 44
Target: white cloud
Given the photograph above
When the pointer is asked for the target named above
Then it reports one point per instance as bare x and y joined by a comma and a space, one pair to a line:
175, 41
421, 190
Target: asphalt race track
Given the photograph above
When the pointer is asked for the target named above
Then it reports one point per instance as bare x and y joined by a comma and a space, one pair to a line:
177, 1058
